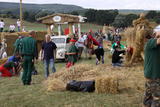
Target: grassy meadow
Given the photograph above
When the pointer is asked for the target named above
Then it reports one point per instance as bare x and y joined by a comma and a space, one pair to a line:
41, 27
14, 94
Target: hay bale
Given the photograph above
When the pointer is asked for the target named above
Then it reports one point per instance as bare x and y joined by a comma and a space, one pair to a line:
55, 85
74, 73
107, 84
108, 79
4, 60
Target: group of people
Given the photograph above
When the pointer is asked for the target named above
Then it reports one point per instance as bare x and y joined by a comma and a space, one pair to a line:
12, 27
26, 50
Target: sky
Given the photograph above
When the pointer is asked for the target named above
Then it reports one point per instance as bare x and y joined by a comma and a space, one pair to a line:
102, 4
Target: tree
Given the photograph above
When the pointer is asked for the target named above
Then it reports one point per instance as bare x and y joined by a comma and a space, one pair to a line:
151, 14
74, 13
90, 14
129, 19
9, 14
26, 15
101, 16
120, 21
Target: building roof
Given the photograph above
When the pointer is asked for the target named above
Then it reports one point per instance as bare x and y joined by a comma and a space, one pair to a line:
60, 18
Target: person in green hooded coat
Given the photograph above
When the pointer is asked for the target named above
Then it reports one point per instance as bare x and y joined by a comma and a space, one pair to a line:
72, 54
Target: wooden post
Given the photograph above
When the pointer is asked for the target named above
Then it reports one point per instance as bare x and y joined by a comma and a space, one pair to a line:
74, 29
70, 28
52, 28
79, 30
49, 30
59, 29
21, 16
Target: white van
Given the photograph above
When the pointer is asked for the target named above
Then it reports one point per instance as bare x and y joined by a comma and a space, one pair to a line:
62, 43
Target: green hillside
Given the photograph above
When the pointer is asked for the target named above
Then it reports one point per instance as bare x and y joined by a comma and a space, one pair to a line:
14, 7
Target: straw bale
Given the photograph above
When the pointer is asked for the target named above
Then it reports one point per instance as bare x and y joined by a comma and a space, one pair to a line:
108, 79
23, 33
74, 73
2, 61
11, 38
107, 84
55, 85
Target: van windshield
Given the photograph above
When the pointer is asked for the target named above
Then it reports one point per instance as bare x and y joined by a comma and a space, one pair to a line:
58, 40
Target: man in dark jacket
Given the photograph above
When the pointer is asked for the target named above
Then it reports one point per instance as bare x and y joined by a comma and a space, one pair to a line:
49, 51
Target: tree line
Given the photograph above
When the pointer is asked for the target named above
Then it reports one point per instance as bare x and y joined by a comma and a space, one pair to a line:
101, 17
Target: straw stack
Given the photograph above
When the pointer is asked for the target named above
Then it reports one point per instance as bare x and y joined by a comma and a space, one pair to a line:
2, 61
55, 85
107, 84
108, 79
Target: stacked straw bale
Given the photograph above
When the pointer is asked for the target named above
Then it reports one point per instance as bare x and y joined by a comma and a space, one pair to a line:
107, 84
108, 79
2, 61
11, 38
55, 85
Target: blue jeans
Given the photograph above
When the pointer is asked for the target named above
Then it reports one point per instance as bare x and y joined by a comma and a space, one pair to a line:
116, 64
46, 64
19, 29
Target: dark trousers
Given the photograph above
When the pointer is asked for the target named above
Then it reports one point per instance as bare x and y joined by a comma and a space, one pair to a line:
80, 50
99, 52
1, 29
27, 67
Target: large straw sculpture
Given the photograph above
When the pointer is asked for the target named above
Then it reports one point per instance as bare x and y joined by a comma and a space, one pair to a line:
135, 39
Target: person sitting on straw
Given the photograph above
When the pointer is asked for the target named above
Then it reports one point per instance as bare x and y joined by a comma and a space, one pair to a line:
118, 43
117, 56
72, 54
16, 59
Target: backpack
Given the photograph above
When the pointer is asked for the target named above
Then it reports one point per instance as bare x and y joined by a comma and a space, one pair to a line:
81, 86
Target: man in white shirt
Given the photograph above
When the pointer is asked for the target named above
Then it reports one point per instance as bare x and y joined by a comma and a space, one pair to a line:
80, 45
85, 43
18, 25
2, 25
12, 28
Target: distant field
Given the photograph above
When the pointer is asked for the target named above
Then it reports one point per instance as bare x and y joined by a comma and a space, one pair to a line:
41, 27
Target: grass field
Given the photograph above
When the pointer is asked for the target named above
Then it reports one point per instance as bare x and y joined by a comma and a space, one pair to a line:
14, 94
41, 27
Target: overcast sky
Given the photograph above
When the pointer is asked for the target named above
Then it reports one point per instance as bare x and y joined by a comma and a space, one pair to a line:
102, 4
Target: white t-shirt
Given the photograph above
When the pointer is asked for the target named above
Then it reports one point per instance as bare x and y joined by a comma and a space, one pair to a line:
2, 24
4, 55
80, 42
84, 37
12, 27
18, 23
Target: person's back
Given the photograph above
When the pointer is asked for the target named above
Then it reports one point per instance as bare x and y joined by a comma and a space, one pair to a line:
151, 63
29, 53
116, 58
151, 70
28, 46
